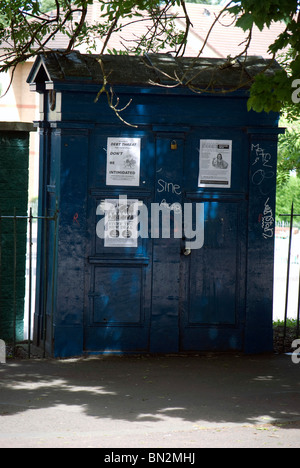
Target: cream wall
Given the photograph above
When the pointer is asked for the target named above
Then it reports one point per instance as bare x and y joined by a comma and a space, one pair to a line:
21, 105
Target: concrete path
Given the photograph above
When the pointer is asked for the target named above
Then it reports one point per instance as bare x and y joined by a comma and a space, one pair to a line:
186, 402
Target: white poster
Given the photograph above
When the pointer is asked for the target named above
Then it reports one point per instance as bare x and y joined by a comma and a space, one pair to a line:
121, 223
215, 163
123, 161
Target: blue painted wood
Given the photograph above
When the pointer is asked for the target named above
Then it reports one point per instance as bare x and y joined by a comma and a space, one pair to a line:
213, 298
152, 298
260, 242
164, 333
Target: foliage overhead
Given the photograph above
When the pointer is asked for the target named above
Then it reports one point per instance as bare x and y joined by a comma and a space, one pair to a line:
286, 195
274, 93
288, 153
27, 29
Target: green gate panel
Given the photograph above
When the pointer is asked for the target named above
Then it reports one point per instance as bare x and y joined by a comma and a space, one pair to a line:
14, 166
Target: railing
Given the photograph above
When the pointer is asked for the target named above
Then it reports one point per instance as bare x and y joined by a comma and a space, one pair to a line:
29, 219
291, 215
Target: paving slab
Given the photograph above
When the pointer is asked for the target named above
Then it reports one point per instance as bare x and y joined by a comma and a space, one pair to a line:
188, 402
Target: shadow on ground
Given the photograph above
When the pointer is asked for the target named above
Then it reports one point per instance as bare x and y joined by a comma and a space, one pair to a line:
153, 389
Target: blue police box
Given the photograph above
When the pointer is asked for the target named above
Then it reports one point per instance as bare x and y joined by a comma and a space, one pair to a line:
165, 186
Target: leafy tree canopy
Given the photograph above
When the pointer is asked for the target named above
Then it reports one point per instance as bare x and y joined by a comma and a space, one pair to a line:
47, 5
288, 153
205, 2
286, 195
27, 28
277, 92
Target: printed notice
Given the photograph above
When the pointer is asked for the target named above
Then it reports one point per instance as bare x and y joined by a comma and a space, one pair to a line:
215, 163
123, 161
121, 223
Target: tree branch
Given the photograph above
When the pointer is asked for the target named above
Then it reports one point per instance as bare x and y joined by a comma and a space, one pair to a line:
78, 29
188, 25
110, 31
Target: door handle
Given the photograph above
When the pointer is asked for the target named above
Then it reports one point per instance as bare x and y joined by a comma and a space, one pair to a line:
184, 250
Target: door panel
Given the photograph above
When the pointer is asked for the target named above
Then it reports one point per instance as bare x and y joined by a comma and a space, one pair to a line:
119, 278
157, 296
212, 288
118, 289
164, 333
213, 281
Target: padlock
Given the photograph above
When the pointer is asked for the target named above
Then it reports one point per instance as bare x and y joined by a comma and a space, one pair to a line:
174, 145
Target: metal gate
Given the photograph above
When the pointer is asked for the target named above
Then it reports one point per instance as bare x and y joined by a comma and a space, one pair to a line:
291, 216
18, 274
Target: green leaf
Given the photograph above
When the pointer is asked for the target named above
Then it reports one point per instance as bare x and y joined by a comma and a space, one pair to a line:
245, 22
235, 10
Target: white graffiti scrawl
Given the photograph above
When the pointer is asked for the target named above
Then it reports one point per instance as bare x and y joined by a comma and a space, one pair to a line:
263, 165
267, 221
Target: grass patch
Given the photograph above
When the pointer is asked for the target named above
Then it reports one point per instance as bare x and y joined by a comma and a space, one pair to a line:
290, 323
